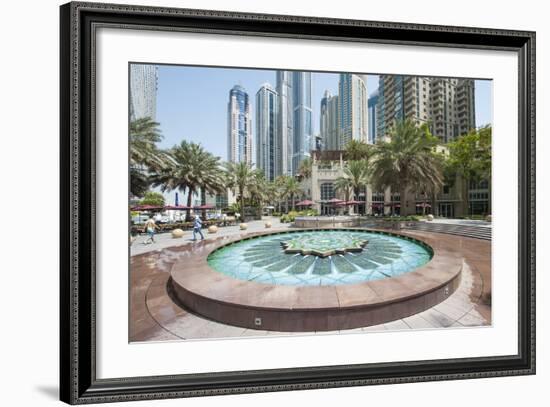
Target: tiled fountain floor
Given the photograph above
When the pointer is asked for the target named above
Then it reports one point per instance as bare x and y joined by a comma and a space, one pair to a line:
154, 317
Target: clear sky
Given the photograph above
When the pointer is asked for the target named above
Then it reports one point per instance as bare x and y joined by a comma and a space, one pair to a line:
192, 101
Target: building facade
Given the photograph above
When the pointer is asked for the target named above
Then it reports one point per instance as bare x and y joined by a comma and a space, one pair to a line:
302, 118
239, 126
328, 166
285, 120
268, 149
143, 91
446, 104
353, 109
373, 112
329, 122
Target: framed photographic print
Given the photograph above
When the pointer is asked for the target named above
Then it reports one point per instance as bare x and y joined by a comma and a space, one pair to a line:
255, 203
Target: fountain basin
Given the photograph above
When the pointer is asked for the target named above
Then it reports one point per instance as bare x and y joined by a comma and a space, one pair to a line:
196, 286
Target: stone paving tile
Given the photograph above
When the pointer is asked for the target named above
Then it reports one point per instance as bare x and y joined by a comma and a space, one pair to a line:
436, 318
417, 322
374, 328
253, 332
185, 326
472, 320
449, 311
396, 325
215, 330
461, 305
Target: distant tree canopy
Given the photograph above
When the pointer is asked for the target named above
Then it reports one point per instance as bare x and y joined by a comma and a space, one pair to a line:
470, 154
152, 198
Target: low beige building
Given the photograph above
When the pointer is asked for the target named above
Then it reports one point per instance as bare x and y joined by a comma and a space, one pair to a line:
328, 166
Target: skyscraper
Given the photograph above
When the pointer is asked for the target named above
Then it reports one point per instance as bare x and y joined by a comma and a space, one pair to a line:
329, 123
302, 118
373, 112
143, 91
268, 154
352, 99
239, 126
285, 132
447, 104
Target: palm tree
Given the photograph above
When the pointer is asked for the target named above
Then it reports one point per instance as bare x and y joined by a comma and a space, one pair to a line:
239, 177
407, 160
358, 174
292, 188
144, 155
279, 186
258, 189
304, 170
190, 169
343, 184
357, 150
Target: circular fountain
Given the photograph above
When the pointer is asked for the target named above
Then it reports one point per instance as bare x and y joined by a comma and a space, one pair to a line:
319, 258
314, 280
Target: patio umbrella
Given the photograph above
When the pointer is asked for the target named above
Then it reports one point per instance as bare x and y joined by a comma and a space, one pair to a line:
334, 201
423, 205
305, 203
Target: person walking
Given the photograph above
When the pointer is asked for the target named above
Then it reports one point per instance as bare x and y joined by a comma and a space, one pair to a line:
197, 226
150, 227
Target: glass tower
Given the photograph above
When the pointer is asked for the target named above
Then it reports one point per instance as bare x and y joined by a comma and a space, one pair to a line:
267, 143
285, 128
373, 111
143, 91
352, 97
239, 134
302, 118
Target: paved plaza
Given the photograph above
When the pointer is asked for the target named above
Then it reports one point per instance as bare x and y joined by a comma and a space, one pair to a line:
155, 317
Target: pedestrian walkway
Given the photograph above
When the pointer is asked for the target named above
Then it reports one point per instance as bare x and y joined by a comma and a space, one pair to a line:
165, 240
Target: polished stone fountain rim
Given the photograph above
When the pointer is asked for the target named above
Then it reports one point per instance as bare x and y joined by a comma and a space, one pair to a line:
199, 288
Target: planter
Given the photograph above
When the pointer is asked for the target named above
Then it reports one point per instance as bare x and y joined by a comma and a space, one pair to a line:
177, 233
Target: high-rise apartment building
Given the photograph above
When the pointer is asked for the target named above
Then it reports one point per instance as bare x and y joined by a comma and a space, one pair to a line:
302, 118
373, 113
446, 104
239, 126
268, 151
285, 129
329, 122
352, 100
143, 91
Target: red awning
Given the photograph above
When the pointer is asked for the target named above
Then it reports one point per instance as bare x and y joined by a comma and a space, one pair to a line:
203, 207
423, 205
176, 208
141, 208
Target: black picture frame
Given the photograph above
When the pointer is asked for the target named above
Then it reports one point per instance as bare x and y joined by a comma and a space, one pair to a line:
78, 382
